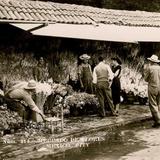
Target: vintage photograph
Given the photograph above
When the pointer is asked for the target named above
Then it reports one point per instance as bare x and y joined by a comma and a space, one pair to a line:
79, 79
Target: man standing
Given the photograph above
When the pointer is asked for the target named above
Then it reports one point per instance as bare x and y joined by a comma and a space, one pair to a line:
102, 77
152, 76
85, 74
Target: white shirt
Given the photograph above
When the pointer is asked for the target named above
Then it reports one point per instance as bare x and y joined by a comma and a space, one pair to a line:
104, 71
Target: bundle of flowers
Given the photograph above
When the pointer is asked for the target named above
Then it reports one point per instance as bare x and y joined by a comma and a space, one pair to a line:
133, 82
43, 90
43, 87
81, 101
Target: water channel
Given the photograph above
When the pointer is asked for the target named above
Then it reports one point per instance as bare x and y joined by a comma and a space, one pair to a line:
112, 146
121, 143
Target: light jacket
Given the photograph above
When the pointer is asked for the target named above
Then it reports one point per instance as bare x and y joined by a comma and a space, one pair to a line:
152, 75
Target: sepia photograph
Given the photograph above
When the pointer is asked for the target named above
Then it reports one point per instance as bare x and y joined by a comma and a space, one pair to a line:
79, 79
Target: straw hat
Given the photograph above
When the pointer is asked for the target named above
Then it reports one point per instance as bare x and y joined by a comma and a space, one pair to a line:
84, 56
154, 58
31, 85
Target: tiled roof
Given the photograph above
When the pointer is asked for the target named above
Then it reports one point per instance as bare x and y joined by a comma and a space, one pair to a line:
37, 11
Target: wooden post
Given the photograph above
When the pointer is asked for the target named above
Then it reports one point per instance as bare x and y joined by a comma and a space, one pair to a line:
62, 118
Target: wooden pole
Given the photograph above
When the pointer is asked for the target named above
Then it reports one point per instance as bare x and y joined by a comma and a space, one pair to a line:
62, 120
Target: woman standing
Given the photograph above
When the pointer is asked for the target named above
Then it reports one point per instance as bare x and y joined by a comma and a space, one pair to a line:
85, 74
116, 85
40, 72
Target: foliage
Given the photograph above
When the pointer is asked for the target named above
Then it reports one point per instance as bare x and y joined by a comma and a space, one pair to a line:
16, 67
81, 100
55, 101
63, 67
8, 119
81, 103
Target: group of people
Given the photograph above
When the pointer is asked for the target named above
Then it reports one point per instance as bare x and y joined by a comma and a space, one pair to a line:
104, 81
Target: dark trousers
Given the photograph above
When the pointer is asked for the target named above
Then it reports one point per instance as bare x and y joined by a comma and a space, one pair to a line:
21, 109
104, 95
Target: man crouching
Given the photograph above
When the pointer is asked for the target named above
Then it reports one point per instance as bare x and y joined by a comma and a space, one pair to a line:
19, 99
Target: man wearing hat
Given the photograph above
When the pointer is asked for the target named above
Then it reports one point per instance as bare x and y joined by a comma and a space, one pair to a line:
152, 76
85, 74
19, 99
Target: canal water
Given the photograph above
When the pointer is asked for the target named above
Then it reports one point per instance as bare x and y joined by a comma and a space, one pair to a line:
111, 145
115, 144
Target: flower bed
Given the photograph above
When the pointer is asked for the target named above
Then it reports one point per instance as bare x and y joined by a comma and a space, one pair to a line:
9, 119
74, 103
81, 103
